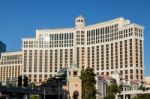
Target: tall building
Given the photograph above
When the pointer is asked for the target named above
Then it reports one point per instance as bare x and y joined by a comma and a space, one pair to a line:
107, 46
2, 47
10, 65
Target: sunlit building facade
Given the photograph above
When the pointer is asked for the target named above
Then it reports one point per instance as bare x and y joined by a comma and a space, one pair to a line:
107, 46
10, 65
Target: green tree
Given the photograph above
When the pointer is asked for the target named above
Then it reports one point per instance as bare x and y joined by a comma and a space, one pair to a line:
115, 88
34, 97
112, 91
88, 83
109, 97
142, 88
32, 85
142, 96
20, 81
25, 81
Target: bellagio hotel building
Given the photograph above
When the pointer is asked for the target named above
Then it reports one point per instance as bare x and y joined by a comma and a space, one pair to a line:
106, 47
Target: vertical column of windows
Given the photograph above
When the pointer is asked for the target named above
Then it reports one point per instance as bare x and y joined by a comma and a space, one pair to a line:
35, 77
125, 33
78, 54
16, 71
107, 56
87, 37
29, 77
46, 61
103, 34
102, 57
40, 61
130, 31
131, 74
97, 56
59, 42
126, 74
78, 38
55, 40
131, 53
136, 31
66, 40
8, 72
61, 58
141, 53
106, 34
30, 60
4, 73
93, 36
116, 54
125, 53
137, 56
40, 78
56, 60
112, 56
136, 51
120, 34
70, 39
141, 59
66, 57
51, 60
121, 55
71, 56
93, 59
137, 72
25, 61
82, 38
97, 36
35, 60
88, 52
83, 57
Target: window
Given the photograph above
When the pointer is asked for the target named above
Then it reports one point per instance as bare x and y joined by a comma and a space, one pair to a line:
74, 73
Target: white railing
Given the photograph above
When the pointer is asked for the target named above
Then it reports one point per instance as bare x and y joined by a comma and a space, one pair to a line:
135, 92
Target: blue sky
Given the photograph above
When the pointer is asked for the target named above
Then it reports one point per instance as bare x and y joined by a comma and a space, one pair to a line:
20, 18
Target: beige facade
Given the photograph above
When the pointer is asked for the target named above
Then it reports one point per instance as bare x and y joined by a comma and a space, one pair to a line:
10, 65
74, 84
107, 46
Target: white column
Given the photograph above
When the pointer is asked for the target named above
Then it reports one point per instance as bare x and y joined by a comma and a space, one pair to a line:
124, 96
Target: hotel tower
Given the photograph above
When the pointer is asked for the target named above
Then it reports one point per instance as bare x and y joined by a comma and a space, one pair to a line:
107, 46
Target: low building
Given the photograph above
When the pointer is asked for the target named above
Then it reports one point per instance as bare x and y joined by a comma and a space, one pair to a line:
147, 82
128, 88
10, 66
102, 82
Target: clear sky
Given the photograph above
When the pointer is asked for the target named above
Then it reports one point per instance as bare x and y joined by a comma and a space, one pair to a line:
21, 18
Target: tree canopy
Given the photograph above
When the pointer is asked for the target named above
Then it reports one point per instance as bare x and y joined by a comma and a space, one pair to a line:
142, 96
88, 83
112, 91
